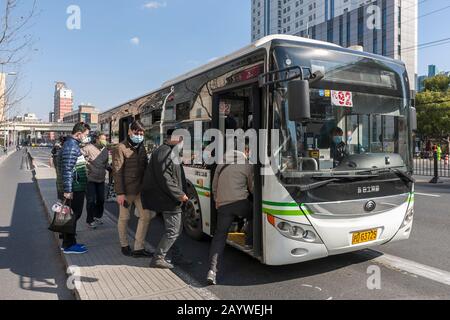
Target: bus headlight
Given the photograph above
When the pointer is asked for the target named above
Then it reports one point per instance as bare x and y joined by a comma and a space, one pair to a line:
284, 226
408, 217
309, 236
295, 231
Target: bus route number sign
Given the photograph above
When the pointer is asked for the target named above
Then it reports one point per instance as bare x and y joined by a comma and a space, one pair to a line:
342, 99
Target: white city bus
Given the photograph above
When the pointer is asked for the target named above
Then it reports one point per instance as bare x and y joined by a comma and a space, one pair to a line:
321, 197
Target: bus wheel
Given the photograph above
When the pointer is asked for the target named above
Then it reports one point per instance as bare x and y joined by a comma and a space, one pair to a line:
192, 217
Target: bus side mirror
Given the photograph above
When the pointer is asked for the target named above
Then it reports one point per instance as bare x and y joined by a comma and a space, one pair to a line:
413, 118
299, 100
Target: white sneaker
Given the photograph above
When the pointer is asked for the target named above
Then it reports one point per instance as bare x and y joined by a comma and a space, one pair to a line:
211, 278
93, 225
99, 221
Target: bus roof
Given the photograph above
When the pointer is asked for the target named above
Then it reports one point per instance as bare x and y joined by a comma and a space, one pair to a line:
244, 51
252, 47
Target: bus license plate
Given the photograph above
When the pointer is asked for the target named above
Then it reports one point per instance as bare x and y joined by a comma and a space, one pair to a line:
364, 236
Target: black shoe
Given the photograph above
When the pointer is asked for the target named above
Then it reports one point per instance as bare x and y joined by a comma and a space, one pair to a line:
126, 251
142, 254
161, 264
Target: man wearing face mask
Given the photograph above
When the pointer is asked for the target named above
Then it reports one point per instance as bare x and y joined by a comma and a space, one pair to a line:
97, 156
338, 147
129, 164
72, 166
165, 191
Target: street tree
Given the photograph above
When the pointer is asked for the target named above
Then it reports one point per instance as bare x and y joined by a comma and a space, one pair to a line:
438, 83
433, 110
16, 45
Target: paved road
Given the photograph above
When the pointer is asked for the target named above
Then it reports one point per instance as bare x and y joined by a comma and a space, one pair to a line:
338, 277
30, 265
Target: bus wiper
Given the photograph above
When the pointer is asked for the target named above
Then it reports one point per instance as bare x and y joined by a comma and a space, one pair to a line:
403, 175
311, 186
400, 173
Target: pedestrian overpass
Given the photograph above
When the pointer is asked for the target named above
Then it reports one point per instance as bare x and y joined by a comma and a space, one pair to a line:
18, 131
39, 126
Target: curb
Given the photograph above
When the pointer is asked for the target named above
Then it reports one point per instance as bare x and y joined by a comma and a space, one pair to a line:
55, 235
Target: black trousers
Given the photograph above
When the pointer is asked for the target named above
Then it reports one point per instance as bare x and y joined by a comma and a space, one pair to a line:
95, 198
225, 217
76, 204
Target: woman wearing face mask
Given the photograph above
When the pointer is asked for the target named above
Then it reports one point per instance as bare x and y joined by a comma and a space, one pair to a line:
129, 164
338, 147
96, 155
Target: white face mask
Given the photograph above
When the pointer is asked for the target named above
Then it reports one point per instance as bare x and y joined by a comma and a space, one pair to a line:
86, 140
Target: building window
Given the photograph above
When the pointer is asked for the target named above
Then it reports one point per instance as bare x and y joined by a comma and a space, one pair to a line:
383, 32
361, 26
330, 30
348, 30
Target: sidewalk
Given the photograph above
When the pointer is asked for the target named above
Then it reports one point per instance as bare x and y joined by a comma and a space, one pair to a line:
427, 179
104, 273
4, 156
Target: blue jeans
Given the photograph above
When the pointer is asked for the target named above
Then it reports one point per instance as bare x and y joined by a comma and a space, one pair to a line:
95, 197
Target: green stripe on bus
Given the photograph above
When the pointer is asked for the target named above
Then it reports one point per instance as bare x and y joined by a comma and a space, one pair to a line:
202, 188
274, 212
280, 204
204, 194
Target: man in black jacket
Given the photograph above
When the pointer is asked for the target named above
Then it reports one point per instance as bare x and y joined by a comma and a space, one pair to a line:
164, 191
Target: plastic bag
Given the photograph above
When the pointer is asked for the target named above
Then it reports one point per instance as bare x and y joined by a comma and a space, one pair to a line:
63, 219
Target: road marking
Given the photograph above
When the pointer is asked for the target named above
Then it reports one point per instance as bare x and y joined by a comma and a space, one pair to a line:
427, 195
415, 268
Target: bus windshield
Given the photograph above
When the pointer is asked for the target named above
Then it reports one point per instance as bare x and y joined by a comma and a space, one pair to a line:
358, 114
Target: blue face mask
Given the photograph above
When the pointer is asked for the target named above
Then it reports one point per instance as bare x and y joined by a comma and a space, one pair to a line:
337, 139
137, 139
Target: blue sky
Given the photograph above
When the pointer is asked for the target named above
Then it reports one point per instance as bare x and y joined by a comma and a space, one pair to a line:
103, 66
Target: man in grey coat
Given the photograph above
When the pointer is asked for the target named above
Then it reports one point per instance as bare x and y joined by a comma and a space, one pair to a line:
164, 190
232, 186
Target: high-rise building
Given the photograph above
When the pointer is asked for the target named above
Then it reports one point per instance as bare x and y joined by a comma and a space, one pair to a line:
51, 117
421, 83
63, 101
2, 95
432, 70
385, 27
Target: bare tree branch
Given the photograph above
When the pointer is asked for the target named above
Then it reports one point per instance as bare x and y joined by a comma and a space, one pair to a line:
16, 17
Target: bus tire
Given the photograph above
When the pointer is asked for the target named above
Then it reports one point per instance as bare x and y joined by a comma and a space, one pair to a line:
192, 215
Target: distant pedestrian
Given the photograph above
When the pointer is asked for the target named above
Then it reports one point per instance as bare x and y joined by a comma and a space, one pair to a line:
165, 191
96, 155
129, 164
72, 166
232, 187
